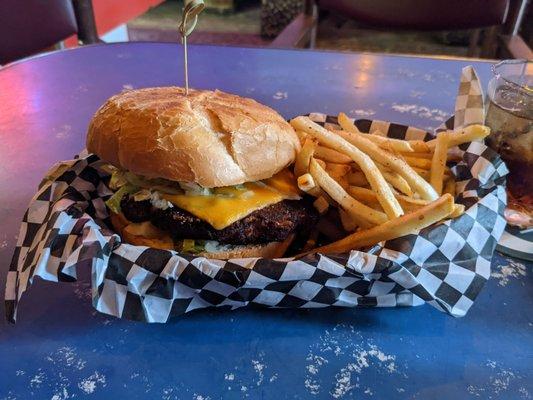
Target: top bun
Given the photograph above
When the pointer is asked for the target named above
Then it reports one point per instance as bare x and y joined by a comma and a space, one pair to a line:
211, 138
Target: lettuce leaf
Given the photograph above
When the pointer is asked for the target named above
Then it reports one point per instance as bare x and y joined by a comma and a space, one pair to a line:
193, 246
114, 201
118, 179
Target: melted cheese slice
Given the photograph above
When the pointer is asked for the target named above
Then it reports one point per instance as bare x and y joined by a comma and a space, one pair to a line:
229, 204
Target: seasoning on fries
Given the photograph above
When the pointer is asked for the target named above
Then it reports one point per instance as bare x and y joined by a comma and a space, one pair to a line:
330, 155
392, 162
301, 164
383, 188
375, 178
364, 215
401, 226
469, 134
438, 162
385, 142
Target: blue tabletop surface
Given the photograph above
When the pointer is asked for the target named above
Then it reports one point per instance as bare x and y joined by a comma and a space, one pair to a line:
61, 348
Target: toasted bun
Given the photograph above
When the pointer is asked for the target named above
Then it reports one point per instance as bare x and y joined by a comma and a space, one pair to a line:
145, 234
211, 138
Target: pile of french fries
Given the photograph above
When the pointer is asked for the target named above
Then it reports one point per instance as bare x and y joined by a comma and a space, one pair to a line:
384, 188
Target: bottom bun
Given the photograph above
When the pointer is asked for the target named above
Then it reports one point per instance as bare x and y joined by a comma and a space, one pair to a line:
268, 250
146, 234
141, 234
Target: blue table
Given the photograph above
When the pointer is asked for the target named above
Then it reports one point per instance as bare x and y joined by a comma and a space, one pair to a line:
61, 348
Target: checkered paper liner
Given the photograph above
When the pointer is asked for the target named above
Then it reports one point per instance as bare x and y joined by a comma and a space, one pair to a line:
445, 265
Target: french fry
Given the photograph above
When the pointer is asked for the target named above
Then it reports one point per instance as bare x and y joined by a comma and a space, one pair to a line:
401, 226
424, 173
458, 210
438, 162
318, 192
315, 192
337, 170
360, 213
419, 146
358, 173
418, 162
393, 162
469, 134
410, 203
388, 143
306, 182
449, 186
302, 136
396, 181
330, 155
357, 178
347, 222
321, 205
415, 146
343, 181
392, 144
452, 155
375, 178
364, 195
382, 141
368, 197
427, 155
301, 164
412, 200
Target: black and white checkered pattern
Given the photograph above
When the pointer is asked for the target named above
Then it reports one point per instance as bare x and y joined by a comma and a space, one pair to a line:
469, 108
445, 265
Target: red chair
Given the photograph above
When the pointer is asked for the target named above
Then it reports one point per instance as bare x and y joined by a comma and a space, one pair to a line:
498, 15
30, 26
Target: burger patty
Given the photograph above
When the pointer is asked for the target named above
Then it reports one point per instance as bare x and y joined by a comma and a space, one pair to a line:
273, 223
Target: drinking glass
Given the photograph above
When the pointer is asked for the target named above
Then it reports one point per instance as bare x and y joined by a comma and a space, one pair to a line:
510, 117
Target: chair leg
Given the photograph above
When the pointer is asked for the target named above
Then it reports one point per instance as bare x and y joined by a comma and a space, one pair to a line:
87, 32
516, 13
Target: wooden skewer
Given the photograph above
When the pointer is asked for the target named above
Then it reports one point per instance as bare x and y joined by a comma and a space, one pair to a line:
190, 14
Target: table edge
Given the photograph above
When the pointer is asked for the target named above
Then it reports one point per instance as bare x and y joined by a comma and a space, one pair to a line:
378, 54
